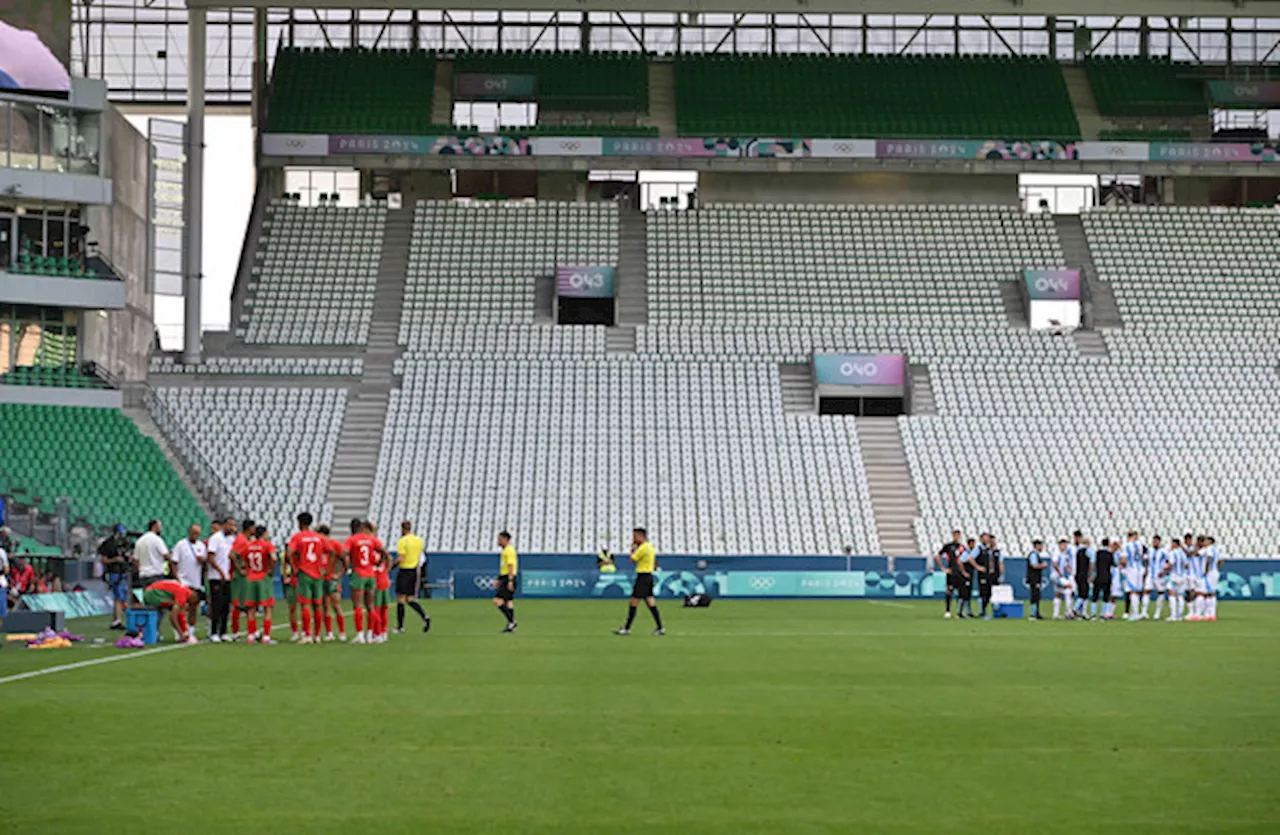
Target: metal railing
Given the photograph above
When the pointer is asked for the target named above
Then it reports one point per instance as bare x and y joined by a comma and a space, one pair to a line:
215, 492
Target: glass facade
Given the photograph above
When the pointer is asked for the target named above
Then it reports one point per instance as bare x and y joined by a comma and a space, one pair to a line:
38, 234
49, 137
37, 336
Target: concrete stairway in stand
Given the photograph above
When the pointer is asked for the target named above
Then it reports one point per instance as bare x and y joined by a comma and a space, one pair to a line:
1101, 310
1090, 344
798, 397
922, 399
632, 290
147, 426
1080, 90
1015, 310
356, 461
893, 498
662, 97
442, 94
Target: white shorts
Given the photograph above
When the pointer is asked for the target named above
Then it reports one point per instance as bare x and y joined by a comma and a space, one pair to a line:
1211, 582
1157, 583
1133, 579
1195, 584
1175, 583
1065, 583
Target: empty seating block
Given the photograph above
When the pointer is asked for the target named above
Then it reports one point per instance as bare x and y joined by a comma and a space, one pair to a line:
879, 96
264, 366
56, 376
570, 455
96, 458
272, 447
313, 283
1131, 86
479, 262
572, 81
351, 91
834, 265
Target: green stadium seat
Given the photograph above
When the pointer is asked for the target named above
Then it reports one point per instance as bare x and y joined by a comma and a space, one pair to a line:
1131, 86
98, 459
975, 97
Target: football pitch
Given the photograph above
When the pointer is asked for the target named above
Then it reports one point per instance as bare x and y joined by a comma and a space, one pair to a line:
750, 716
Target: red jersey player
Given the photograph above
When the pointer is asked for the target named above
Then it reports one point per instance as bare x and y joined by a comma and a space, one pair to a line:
363, 550
257, 562
239, 546
334, 568
307, 552
381, 593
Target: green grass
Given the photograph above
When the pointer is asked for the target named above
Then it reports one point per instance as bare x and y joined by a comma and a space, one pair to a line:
755, 717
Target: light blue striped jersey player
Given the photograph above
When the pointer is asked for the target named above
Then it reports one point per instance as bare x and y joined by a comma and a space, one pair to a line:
1132, 553
1177, 563
1159, 560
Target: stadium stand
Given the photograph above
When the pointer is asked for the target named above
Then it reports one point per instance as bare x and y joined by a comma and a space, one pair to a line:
56, 376
31, 264
96, 458
272, 447
571, 81
314, 280
477, 261
1131, 86
263, 366
1141, 135
573, 453
872, 95
352, 91
834, 265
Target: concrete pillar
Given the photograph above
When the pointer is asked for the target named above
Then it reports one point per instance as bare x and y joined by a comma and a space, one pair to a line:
193, 211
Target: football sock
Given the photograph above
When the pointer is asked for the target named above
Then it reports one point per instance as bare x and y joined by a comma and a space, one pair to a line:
631, 615
317, 612
1160, 607
253, 624
1057, 607
657, 618
306, 622
384, 618
1069, 606
948, 603
413, 604
328, 622
399, 616
342, 622
266, 624
509, 612
235, 621
359, 620
293, 623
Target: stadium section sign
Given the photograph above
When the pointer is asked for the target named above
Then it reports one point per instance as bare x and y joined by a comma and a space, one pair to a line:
477, 86
1052, 285
860, 369
1259, 95
585, 282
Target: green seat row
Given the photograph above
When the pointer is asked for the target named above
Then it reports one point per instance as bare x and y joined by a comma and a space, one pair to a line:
613, 82
1132, 86
56, 376
889, 96
108, 470
51, 265
351, 91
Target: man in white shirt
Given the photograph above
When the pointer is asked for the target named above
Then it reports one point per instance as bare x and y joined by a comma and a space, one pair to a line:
219, 579
188, 560
151, 555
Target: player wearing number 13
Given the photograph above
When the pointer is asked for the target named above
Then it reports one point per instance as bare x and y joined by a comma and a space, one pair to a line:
257, 561
646, 562
307, 554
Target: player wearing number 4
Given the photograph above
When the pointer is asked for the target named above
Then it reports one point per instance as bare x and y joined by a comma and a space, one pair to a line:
645, 559
306, 555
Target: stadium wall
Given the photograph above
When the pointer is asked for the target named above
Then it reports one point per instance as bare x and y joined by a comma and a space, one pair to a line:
872, 187
120, 340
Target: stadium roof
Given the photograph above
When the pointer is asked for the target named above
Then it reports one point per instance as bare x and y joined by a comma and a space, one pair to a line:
1163, 8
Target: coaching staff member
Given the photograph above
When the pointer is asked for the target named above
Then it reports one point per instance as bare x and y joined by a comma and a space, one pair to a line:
409, 564
1104, 561
646, 561
1037, 562
988, 571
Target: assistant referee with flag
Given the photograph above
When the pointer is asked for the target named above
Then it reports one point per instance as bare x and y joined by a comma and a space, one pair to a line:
409, 563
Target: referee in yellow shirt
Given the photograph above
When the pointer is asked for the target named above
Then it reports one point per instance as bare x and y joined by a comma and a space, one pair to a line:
504, 592
409, 575
646, 560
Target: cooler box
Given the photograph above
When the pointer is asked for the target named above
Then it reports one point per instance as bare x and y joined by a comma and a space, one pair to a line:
1010, 610
146, 622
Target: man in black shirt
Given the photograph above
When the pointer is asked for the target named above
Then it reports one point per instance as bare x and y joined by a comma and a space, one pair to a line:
1103, 562
1084, 571
113, 552
989, 571
967, 569
1037, 562
947, 560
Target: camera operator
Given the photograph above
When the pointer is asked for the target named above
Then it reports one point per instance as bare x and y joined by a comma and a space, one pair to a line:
114, 553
